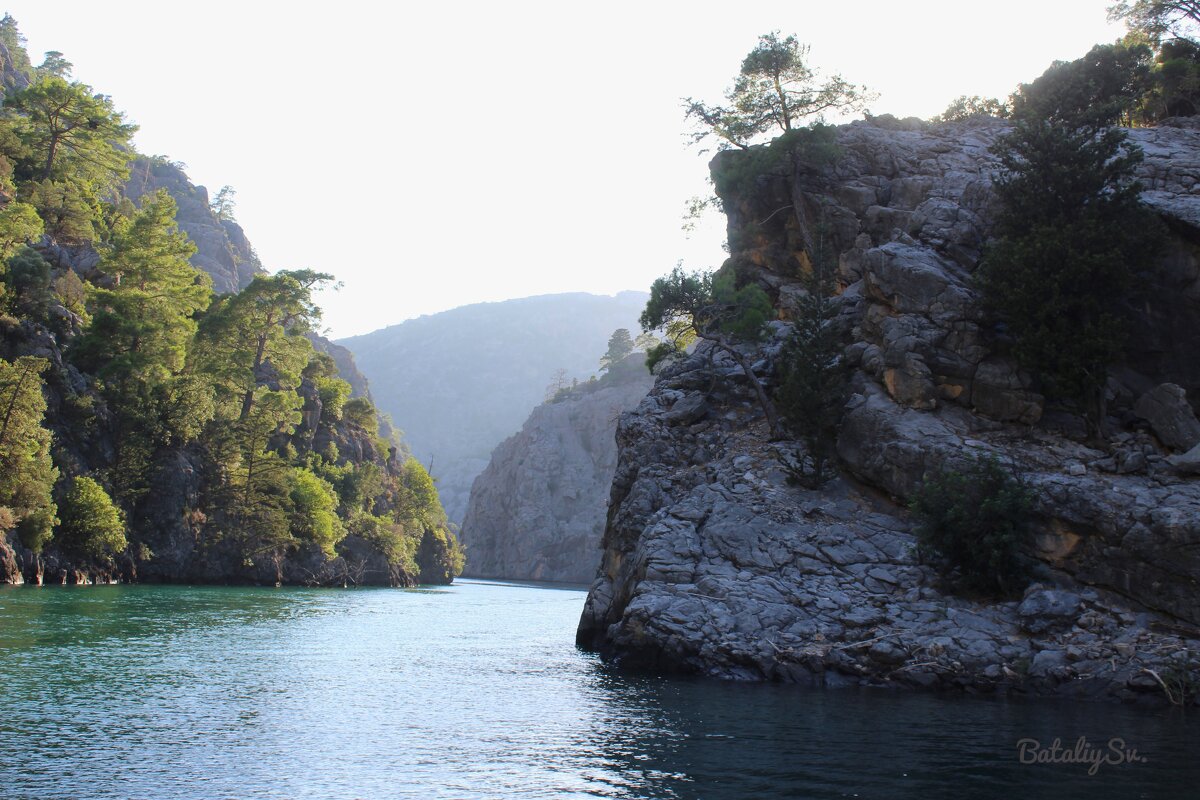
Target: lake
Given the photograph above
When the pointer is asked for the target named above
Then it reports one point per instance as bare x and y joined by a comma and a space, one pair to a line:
477, 691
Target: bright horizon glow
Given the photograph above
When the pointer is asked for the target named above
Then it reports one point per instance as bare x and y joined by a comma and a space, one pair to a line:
439, 156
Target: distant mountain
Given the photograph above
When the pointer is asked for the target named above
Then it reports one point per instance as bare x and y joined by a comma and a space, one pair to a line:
460, 382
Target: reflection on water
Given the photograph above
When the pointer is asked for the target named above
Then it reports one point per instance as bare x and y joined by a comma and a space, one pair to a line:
477, 691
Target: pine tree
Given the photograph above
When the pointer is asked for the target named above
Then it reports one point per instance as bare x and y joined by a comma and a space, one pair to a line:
27, 474
1071, 237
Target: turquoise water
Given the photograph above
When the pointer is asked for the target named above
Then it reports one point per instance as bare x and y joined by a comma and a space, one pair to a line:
477, 691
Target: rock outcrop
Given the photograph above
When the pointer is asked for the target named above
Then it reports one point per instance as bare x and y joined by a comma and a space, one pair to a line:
222, 249
537, 511
714, 564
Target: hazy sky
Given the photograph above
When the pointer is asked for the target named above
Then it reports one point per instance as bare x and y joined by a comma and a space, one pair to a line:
437, 154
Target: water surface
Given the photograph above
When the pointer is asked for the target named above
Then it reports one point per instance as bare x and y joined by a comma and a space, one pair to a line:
476, 691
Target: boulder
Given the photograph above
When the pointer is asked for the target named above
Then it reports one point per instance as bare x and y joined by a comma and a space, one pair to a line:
1046, 609
1170, 415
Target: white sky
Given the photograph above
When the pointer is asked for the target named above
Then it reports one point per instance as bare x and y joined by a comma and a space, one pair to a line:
437, 154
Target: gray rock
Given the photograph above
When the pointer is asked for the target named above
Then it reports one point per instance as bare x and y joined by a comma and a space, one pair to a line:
537, 510
1043, 609
687, 410
1188, 463
787, 584
1167, 410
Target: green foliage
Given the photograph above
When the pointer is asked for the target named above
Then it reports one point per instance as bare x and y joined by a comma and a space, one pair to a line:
398, 545
70, 213
256, 495
712, 307
620, 344
27, 474
223, 204
19, 225
27, 283
334, 393
976, 523
69, 132
1158, 20
1176, 88
314, 514
440, 558
1102, 88
418, 504
72, 293
1070, 239
54, 65
361, 413
973, 107
815, 377
736, 174
142, 326
92, 525
775, 90
261, 327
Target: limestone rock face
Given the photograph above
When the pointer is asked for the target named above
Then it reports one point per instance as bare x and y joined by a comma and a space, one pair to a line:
222, 249
537, 510
714, 564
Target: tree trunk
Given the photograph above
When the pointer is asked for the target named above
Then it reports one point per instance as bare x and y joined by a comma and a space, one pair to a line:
49, 167
760, 392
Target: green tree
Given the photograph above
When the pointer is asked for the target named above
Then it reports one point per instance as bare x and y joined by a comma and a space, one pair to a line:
257, 337
1102, 88
27, 474
709, 306
440, 558
1158, 19
142, 325
70, 132
314, 515
71, 212
776, 90
55, 65
973, 107
620, 345
256, 496
1070, 239
92, 525
224, 203
27, 283
19, 225
814, 376
976, 522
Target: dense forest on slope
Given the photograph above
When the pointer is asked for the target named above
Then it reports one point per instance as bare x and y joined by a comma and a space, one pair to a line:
459, 382
164, 414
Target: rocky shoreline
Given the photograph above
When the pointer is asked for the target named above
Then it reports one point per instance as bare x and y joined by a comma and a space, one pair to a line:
713, 564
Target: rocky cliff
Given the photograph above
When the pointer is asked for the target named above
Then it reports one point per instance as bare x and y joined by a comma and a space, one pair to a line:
537, 510
458, 382
714, 564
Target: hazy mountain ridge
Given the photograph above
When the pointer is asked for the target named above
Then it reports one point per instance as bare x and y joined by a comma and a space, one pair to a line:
459, 382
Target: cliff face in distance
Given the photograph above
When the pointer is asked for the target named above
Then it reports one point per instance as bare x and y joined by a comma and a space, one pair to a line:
457, 383
537, 511
714, 564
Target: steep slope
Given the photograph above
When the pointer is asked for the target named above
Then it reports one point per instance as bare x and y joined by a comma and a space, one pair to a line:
222, 249
537, 511
714, 564
457, 383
